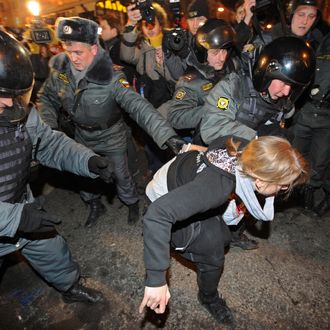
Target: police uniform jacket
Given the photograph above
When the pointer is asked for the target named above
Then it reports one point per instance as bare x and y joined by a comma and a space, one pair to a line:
183, 110
94, 105
222, 114
55, 150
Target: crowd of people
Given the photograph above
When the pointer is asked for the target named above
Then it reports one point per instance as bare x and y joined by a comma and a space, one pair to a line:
223, 113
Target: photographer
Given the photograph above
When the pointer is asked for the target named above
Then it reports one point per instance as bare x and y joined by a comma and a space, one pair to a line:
184, 44
141, 45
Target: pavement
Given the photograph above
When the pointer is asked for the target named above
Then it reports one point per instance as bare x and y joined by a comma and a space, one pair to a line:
284, 284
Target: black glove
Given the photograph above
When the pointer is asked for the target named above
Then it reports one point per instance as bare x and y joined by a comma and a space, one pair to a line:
35, 219
100, 166
175, 143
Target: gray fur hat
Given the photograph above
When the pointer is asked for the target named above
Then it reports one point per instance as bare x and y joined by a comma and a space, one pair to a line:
76, 29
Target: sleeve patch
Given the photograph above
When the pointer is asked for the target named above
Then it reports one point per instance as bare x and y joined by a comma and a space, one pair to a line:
207, 87
124, 82
223, 103
180, 94
64, 78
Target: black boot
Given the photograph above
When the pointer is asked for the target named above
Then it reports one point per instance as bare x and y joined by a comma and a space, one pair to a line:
208, 296
308, 193
97, 209
133, 213
324, 206
79, 293
243, 242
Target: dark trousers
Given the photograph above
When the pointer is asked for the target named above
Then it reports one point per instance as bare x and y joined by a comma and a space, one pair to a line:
52, 259
207, 252
312, 139
125, 185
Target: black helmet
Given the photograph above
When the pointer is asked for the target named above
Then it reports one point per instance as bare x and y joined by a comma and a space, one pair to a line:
288, 59
296, 3
215, 34
16, 77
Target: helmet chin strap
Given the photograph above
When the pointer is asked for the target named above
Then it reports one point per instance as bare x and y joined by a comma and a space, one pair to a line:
266, 97
11, 116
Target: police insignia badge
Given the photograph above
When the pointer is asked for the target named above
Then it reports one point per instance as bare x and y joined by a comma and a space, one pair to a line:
64, 78
207, 87
223, 103
124, 82
180, 94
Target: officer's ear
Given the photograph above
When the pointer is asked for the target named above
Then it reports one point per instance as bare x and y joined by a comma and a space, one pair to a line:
94, 49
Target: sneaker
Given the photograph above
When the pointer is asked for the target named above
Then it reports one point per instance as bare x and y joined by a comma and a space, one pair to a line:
244, 243
218, 309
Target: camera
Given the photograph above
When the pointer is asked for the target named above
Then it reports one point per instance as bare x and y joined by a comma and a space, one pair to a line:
176, 39
145, 7
40, 34
261, 4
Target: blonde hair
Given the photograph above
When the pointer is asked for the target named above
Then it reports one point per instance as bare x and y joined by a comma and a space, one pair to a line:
271, 159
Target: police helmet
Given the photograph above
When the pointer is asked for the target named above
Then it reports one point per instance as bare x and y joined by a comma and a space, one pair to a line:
289, 59
215, 34
16, 77
296, 3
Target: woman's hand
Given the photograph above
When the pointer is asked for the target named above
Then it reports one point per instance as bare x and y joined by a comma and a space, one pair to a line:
134, 15
155, 298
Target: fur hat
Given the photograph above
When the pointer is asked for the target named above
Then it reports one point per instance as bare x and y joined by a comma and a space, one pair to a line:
198, 8
76, 29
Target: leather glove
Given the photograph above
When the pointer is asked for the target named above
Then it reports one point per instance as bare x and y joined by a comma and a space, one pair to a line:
34, 219
100, 166
175, 143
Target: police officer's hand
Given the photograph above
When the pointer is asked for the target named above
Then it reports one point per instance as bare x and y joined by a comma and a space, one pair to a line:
175, 143
34, 219
100, 166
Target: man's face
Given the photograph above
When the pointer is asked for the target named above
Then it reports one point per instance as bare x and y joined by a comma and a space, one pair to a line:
303, 19
81, 55
278, 89
107, 32
195, 23
5, 102
216, 58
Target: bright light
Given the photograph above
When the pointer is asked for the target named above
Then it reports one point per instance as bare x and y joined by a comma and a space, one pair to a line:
34, 8
269, 26
221, 9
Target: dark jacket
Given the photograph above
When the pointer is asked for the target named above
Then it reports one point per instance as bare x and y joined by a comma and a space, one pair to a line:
183, 206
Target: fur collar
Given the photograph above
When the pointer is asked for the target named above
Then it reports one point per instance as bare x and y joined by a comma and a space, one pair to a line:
99, 72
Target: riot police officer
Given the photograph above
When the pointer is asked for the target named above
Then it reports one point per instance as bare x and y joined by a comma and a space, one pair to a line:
247, 106
24, 224
312, 131
216, 40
